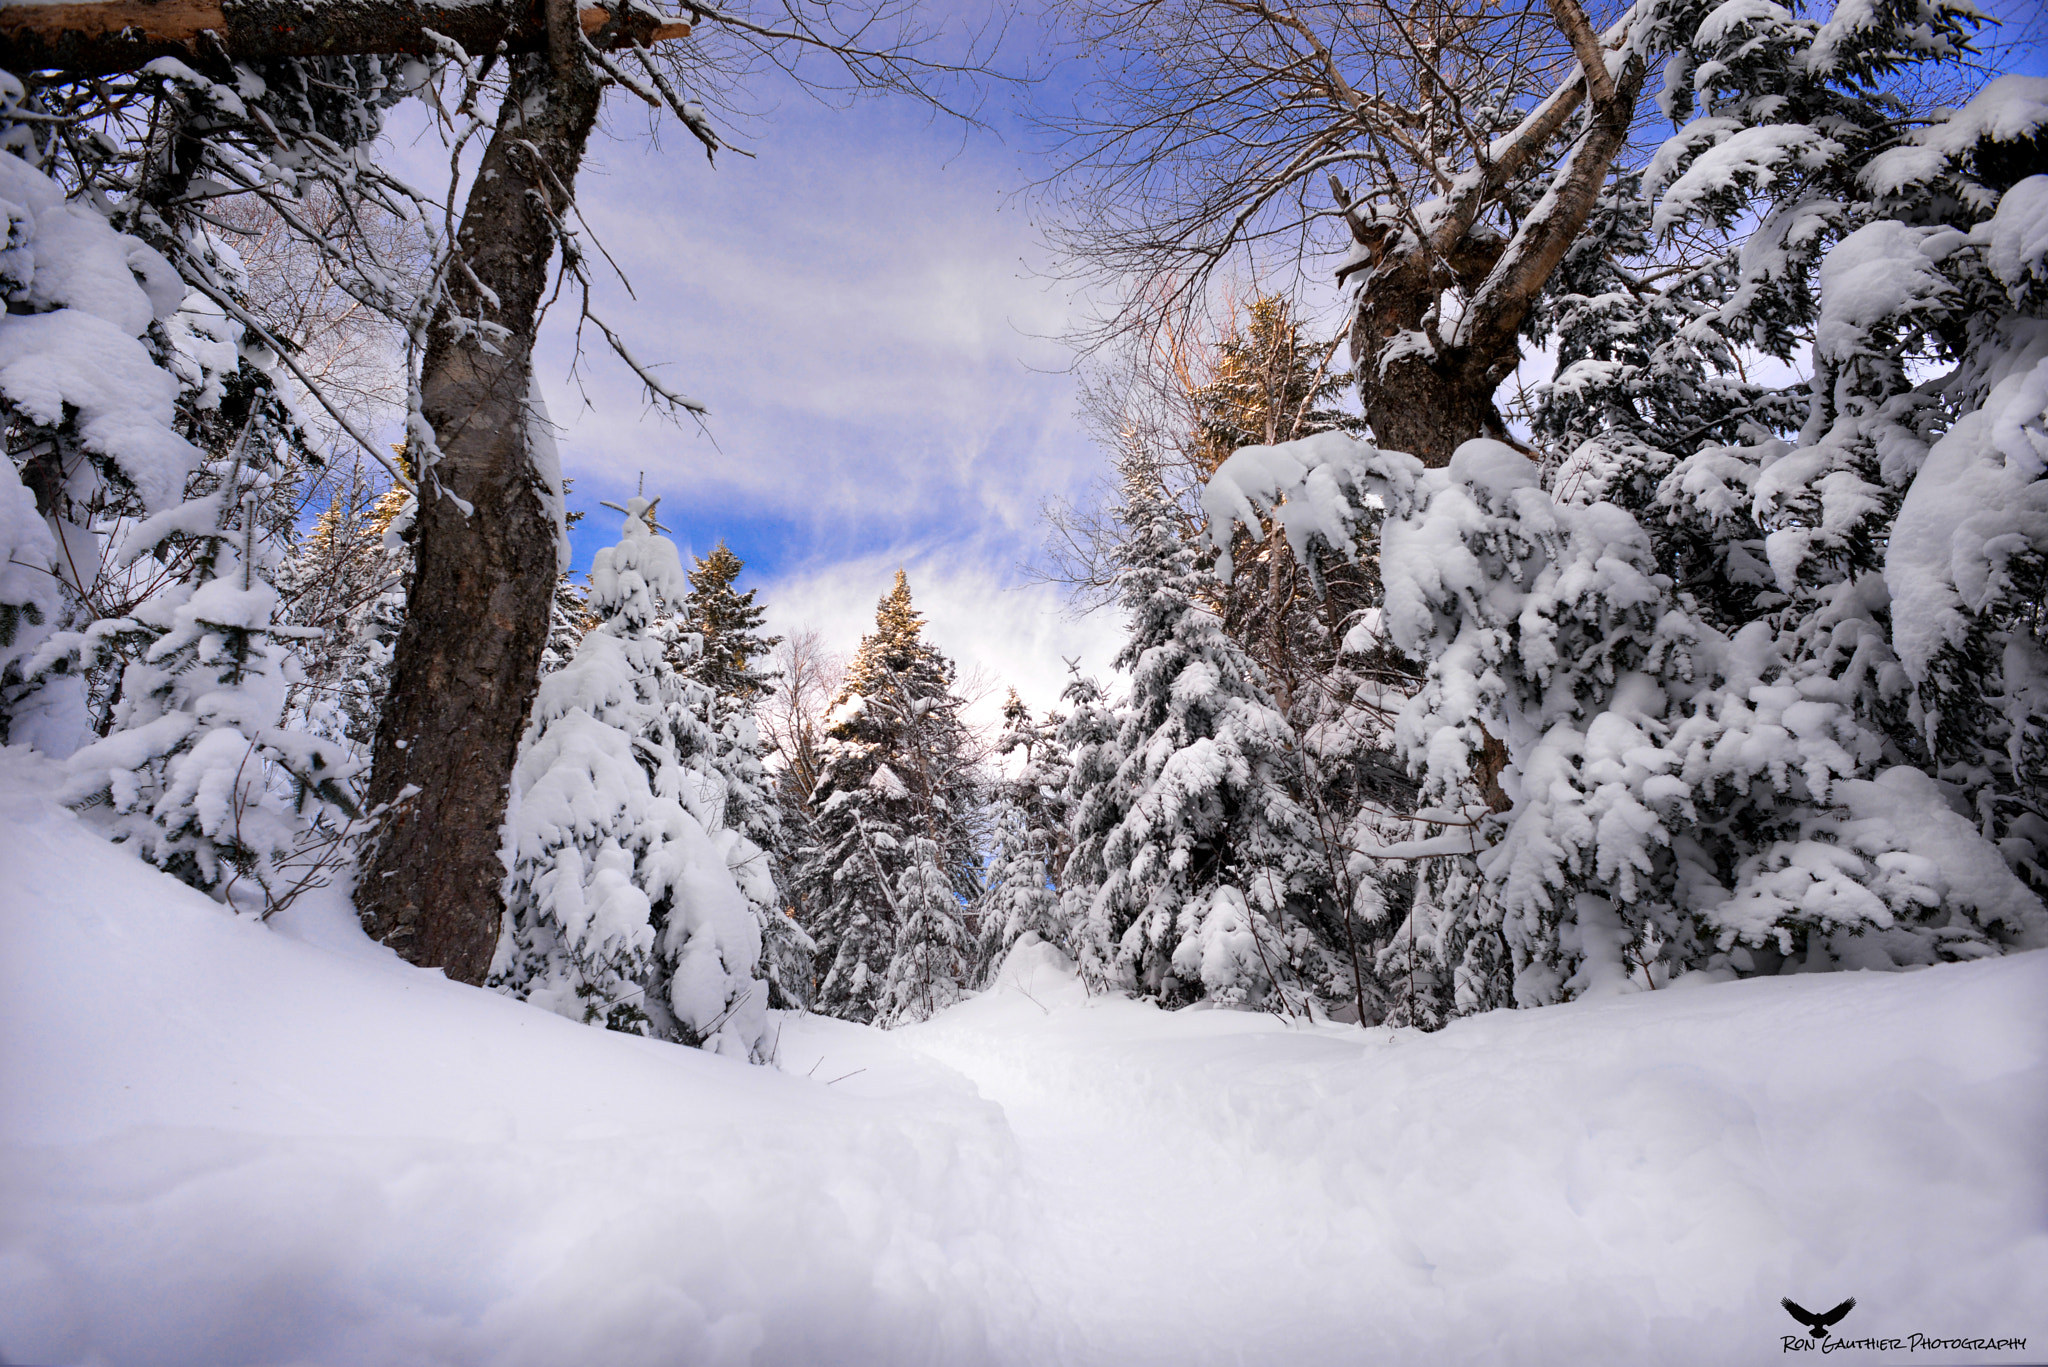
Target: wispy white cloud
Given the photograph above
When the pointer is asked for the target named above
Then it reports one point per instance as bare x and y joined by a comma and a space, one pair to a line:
859, 313
1017, 635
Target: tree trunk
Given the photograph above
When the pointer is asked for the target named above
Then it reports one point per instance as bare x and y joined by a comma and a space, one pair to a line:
468, 659
102, 36
1421, 394
1427, 408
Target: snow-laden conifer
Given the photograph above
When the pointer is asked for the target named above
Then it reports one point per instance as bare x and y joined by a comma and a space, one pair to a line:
1269, 382
164, 462
569, 617
196, 769
731, 759
32, 607
932, 964
1095, 806
892, 860
1212, 856
146, 589
1028, 823
716, 639
622, 907
92, 423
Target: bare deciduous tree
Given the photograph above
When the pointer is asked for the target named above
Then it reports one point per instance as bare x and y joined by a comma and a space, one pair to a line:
792, 717
1461, 145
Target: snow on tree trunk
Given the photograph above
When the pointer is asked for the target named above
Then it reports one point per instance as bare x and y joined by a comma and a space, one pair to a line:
487, 540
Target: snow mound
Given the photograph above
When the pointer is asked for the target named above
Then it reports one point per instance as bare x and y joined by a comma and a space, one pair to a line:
226, 1144
1632, 1179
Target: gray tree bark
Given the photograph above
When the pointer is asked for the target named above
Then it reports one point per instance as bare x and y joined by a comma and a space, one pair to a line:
468, 659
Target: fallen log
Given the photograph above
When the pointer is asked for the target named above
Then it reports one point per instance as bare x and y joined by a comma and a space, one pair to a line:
101, 36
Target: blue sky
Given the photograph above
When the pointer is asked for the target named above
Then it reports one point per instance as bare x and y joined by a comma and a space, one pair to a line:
866, 309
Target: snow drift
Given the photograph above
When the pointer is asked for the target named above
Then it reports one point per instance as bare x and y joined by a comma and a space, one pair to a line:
225, 1144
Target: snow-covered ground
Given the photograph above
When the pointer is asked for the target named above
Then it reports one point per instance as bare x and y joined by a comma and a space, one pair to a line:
229, 1143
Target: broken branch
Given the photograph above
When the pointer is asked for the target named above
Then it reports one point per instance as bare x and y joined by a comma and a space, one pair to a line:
121, 35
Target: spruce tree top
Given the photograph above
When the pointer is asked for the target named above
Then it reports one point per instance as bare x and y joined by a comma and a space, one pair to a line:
896, 646
1270, 385
630, 581
730, 624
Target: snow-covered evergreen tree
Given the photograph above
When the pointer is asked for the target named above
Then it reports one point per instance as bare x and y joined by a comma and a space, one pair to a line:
92, 423
622, 907
30, 601
1095, 805
932, 964
714, 638
1268, 384
1685, 708
890, 866
751, 810
1355, 784
1212, 867
1028, 820
569, 617
158, 459
149, 422
196, 769
1956, 260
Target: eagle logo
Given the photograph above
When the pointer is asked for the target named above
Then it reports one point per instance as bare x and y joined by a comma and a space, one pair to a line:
1817, 1325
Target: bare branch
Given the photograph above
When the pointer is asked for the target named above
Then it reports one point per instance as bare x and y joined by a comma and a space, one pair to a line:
283, 353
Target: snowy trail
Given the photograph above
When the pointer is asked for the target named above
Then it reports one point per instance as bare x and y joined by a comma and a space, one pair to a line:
1158, 1240
222, 1144
1637, 1177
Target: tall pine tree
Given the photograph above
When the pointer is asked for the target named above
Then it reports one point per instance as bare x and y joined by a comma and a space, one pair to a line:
1212, 870
891, 864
